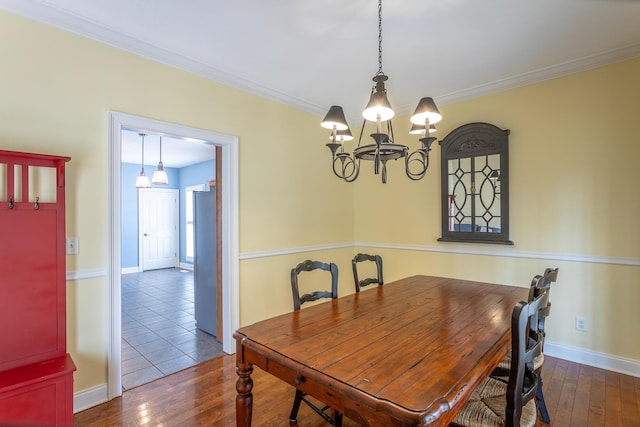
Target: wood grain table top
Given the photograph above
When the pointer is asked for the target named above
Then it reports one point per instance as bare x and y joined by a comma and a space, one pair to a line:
411, 350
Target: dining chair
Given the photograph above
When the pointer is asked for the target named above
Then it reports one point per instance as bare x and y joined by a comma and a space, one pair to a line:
298, 300
539, 284
511, 403
360, 283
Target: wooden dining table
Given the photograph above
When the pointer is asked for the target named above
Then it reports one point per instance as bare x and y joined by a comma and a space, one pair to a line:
406, 353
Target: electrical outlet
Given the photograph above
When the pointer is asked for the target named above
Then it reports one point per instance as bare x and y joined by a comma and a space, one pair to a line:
581, 324
72, 246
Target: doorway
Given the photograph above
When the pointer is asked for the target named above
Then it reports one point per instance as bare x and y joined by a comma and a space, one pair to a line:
229, 232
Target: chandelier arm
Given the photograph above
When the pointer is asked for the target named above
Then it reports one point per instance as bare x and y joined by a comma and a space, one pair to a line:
345, 166
335, 159
355, 173
364, 122
345, 161
421, 156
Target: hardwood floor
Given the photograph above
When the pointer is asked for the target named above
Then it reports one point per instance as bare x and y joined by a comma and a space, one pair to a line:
204, 395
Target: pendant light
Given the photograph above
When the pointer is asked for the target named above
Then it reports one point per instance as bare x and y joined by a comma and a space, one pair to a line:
160, 176
142, 181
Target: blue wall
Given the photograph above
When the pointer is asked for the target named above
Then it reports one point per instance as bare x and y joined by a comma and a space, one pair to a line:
199, 173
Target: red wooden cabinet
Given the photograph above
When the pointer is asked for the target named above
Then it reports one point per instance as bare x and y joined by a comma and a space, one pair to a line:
36, 373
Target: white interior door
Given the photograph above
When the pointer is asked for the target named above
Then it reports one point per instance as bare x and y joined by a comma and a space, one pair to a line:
158, 227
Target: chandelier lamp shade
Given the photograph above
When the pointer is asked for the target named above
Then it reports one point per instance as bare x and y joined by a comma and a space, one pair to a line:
160, 176
342, 135
142, 181
346, 165
419, 129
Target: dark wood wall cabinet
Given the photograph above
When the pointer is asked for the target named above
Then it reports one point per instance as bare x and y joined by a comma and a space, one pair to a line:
36, 372
475, 185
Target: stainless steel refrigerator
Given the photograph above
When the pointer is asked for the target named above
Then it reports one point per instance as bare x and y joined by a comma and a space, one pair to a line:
204, 211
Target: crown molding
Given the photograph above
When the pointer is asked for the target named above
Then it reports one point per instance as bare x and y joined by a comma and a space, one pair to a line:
68, 21
65, 20
542, 74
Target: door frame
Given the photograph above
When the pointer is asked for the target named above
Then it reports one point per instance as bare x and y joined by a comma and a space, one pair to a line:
141, 240
228, 144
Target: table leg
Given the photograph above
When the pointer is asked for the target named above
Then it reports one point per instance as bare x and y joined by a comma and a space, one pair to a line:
244, 398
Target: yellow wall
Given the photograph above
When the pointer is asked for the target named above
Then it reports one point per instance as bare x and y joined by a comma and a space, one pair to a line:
574, 176
266, 285
56, 91
573, 145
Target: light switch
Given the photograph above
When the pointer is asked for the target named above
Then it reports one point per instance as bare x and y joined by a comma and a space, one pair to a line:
72, 246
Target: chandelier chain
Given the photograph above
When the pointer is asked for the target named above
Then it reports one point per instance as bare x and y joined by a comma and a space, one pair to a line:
380, 37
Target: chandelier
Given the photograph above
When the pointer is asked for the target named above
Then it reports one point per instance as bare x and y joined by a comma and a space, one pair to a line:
347, 165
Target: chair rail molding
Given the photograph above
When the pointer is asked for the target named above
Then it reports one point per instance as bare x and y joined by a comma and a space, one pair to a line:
74, 275
295, 250
589, 259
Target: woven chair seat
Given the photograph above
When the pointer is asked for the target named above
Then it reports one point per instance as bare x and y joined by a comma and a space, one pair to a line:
487, 407
538, 361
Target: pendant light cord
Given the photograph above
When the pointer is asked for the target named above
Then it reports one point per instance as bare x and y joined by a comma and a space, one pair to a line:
380, 37
142, 135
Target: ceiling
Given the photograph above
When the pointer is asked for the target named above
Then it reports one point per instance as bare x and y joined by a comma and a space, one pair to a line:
313, 54
177, 152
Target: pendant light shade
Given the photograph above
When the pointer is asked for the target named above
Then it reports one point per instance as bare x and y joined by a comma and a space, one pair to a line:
160, 176
335, 118
426, 110
142, 181
378, 107
342, 135
419, 129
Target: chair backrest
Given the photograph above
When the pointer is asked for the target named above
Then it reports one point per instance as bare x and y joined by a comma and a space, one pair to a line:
539, 284
360, 283
542, 281
526, 344
310, 265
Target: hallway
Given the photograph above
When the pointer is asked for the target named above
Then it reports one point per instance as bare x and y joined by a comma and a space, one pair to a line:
159, 336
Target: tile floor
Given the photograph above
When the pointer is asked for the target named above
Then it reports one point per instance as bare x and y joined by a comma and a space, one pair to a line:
159, 336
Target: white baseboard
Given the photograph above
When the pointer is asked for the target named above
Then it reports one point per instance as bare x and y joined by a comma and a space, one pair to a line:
186, 266
89, 398
592, 358
130, 270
